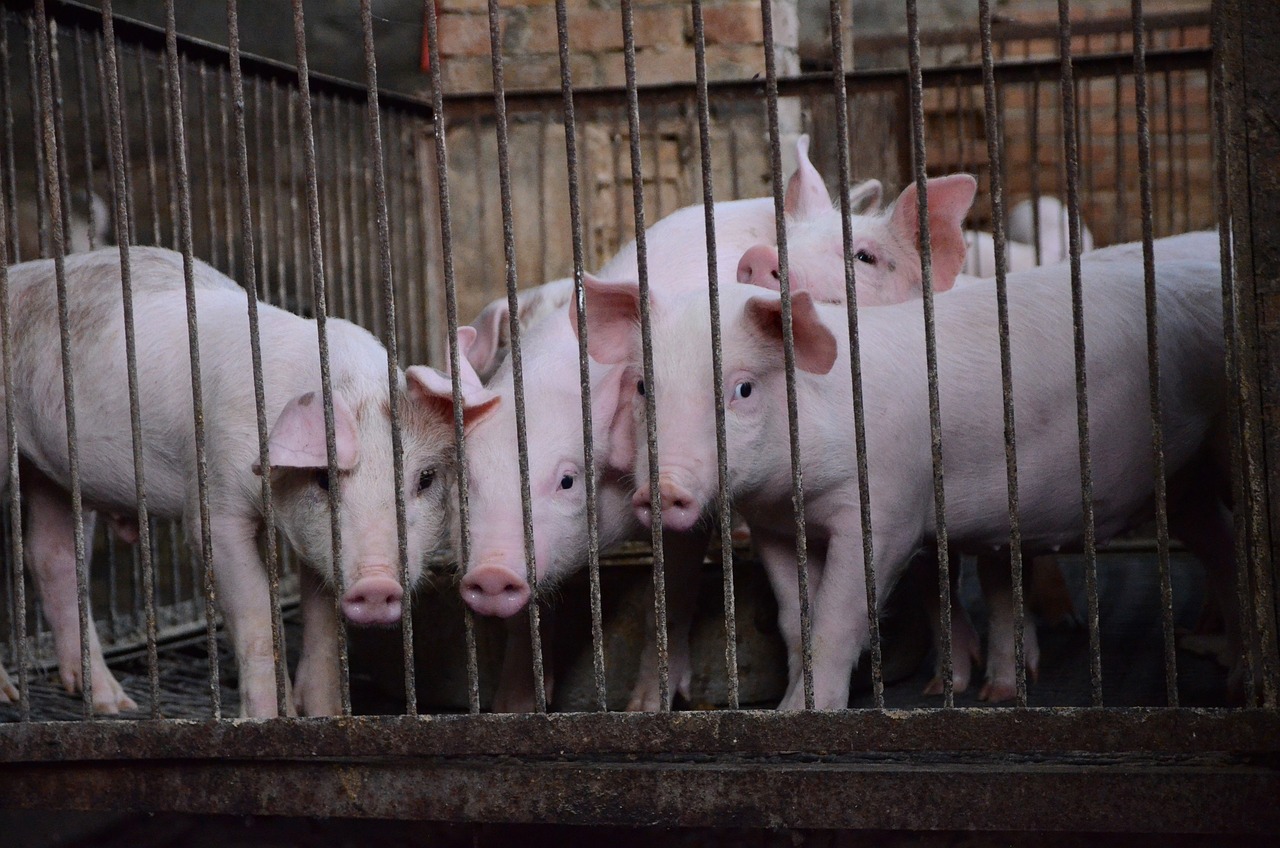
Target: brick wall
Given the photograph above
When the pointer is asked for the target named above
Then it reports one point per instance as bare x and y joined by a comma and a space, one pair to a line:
663, 34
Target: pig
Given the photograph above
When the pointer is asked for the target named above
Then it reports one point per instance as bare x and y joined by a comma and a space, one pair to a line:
495, 582
898, 432
299, 465
884, 246
8, 692
1052, 236
980, 260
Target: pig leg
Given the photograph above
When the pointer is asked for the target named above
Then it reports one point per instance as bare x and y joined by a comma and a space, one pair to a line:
1204, 526
8, 693
1047, 593
778, 554
997, 586
515, 685
965, 646
841, 626
683, 555
244, 599
317, 689
51, 556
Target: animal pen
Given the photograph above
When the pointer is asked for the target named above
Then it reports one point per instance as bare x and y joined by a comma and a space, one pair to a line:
330, 198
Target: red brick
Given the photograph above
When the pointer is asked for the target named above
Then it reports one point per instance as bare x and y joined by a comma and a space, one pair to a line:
736, 24
667, 26
464, 35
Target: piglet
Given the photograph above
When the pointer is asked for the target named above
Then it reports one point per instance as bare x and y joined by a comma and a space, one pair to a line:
895, 386
372, 592
1052, 236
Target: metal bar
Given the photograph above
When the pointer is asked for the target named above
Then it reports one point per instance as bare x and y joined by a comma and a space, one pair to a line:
250, 283
50, 141
1070, 143
931, 350
326, 385
153, 179
517, 367
841, 104
279, 197
82, 79
224, 155
724, 504
374, 128
995, 152
37, 122
789, 357
1115, 731
584, 367
206, 153
1153, 355
177, 133
646, 336
451, 313
10, 172
59, 117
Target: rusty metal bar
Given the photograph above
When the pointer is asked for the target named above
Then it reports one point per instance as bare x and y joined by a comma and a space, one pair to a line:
250, 282
451, 312
919, 163
374, 128
321, 318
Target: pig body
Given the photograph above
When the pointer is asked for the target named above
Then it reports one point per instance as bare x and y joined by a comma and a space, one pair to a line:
980, 260
369, 563
1053, 236
495, 581
896, 397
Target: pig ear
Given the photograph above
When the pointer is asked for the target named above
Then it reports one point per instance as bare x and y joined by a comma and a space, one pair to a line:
490, 328
613, 318
806, 195
467, 344
949, 201
815, 344
865, 197
611, 400
435, 391
298, 437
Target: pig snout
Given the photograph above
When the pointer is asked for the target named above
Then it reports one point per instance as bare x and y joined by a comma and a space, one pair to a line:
495, 590
680, 509
759, 267
374, 598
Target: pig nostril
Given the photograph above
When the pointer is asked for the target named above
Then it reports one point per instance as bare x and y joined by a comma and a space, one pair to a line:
774, 274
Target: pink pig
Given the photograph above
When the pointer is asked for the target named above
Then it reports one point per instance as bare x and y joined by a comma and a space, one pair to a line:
895, 387
495, 581
369, 566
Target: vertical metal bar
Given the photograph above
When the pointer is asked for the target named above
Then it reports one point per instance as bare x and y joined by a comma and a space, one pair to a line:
60, 128
374, 139
931, 347
1170, 154
10, 172
348, 217
86, 146
517, 367
1249, 660
1033, 119
171, 179
841, 103
50, 141
206, 153
37, 123
584, 368
646, 324
320, 307
113, 605
1070, 143
153, 180
451, 307
995, 152
297, 254
1153, 352
724, 503
262, 155
250, 283
224, 156
353, 166
178, 167
279, 196
1121, 228
11, 430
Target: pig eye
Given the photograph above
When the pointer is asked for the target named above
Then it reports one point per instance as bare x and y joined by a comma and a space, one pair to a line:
863, 256
742, 390
322, 479
566, 482
425, 479
640, 387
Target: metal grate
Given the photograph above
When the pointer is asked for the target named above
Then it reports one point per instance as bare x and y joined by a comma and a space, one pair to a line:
338, 202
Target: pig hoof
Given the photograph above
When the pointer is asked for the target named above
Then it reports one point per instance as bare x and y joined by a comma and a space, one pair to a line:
996, 691
934, 686
959, 684
646, 701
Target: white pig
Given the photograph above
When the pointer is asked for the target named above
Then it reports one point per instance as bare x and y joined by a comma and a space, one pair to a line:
1053, 235
898, 434
369, 563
